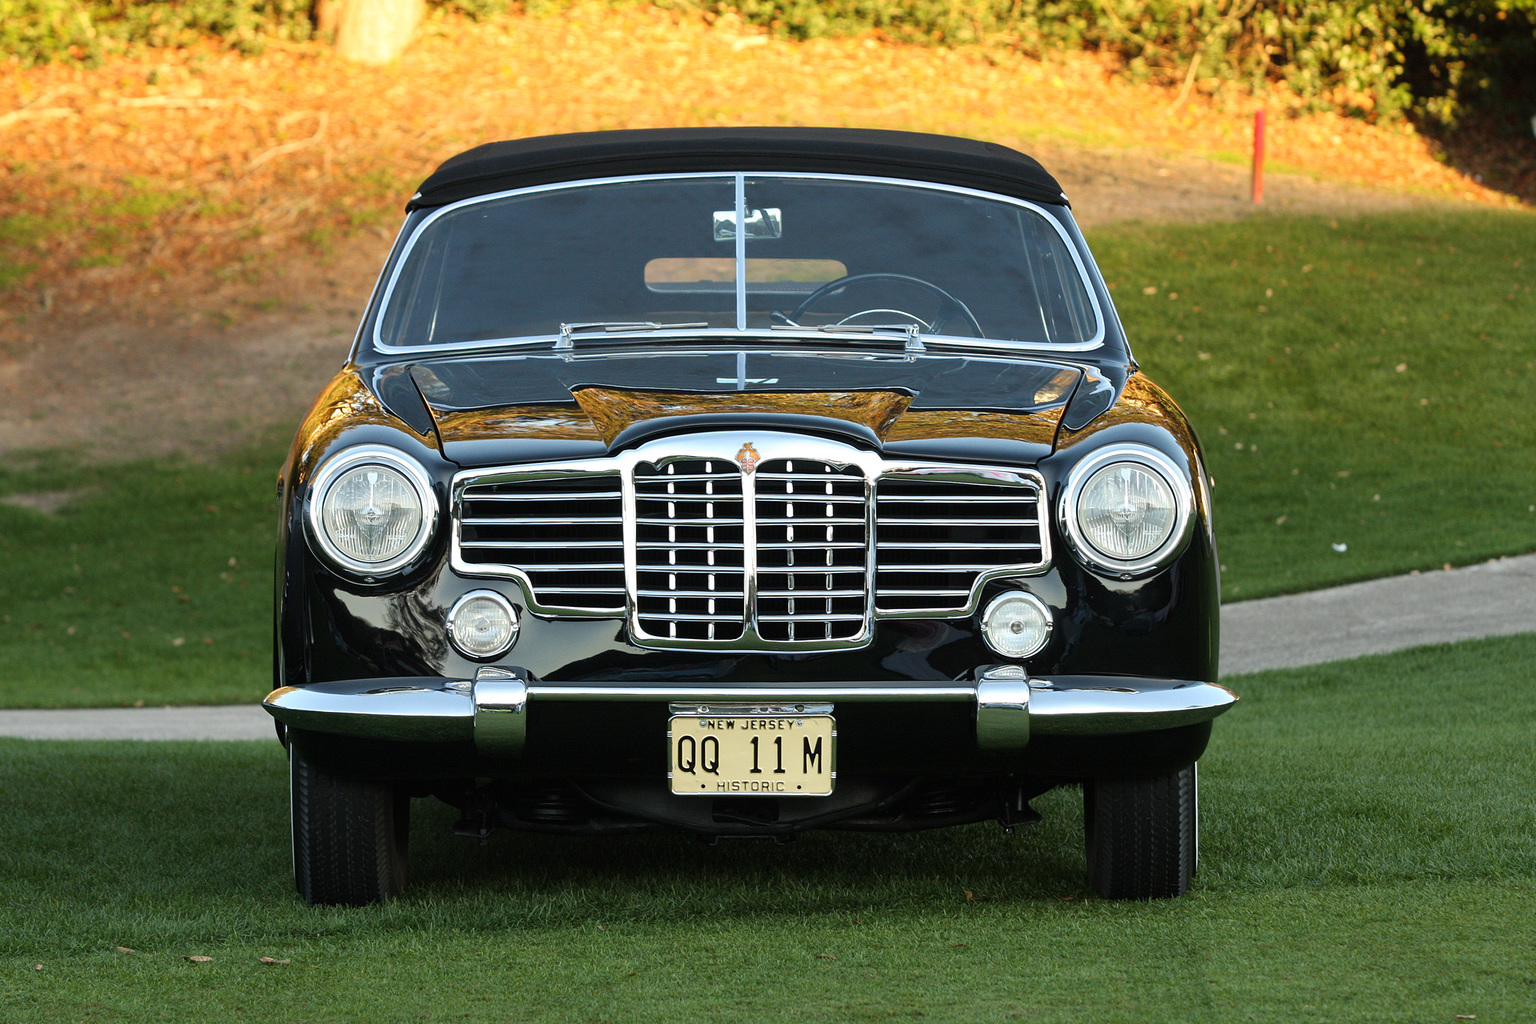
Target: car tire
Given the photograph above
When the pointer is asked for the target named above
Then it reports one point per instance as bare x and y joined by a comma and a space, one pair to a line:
1142, 835
349, 837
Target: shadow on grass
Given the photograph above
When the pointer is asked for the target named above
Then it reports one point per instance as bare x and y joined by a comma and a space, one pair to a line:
1359, 773
1366, 855
667, 876
190, 838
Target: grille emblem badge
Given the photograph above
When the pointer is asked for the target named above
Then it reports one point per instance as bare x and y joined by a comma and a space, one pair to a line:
747, 458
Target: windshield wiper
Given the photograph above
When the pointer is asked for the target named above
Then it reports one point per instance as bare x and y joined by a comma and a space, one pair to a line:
910, 331
568, 331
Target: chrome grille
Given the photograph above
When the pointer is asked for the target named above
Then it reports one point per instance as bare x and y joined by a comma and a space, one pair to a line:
812, 551
700, 541
935, 534
690, 571
565, 532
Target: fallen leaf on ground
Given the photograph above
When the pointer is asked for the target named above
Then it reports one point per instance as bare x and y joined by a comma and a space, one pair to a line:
825, 956
199, 959
124, 949
274, 960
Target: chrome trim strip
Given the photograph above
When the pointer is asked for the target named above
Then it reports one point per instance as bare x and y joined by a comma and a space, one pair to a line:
955, 545
741, 252
492, 710
500, 545
748, 710
738, 179
545, 520
1110, 709
411, 710
797, 694
1183, 499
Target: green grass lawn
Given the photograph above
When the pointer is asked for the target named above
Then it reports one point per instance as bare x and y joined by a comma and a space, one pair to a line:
154, 584
1363, 382
1367, 856
1380, 399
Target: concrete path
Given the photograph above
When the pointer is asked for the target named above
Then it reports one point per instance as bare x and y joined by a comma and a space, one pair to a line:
235, 722
1493, 599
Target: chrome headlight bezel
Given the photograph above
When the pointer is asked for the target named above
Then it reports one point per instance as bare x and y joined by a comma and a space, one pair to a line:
331, 470
1145, 458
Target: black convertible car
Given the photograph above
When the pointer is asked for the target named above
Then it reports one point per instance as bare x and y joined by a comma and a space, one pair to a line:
742, 482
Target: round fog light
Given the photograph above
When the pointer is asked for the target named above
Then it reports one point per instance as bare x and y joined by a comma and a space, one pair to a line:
1016, 624
483, 624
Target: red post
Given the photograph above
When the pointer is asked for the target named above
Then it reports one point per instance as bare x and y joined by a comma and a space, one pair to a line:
1258, 156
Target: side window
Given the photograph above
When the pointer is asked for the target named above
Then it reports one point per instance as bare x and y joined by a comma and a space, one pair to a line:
410, 316
1064, 313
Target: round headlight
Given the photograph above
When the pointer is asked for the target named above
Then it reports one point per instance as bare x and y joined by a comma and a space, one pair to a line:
1127, 509
483, 624
1016, 624
372, 510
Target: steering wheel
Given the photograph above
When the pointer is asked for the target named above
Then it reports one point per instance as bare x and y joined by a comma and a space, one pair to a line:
948, 304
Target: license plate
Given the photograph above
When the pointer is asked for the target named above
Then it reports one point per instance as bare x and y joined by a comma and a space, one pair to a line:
745, 750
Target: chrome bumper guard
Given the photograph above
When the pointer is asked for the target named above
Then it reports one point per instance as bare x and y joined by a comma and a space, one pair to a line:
491, 710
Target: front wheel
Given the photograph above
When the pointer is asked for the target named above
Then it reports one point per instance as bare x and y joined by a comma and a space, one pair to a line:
1142, 834
349, 836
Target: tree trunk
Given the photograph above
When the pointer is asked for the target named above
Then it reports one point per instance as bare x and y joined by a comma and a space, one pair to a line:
327, 14
376, 31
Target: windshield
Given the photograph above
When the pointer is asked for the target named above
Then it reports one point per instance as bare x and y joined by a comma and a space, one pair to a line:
730, 253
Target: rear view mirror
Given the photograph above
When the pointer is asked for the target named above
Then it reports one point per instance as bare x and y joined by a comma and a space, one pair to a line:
764, 223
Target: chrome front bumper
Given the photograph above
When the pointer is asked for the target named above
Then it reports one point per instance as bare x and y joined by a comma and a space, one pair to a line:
491, 710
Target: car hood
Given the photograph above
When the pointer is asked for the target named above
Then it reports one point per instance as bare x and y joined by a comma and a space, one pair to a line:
508, 407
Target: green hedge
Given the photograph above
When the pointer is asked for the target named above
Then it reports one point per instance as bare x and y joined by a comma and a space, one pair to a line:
1375, 58
1437, 59
35, 31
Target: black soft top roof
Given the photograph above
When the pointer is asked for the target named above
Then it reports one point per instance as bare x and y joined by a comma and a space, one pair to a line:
500, 166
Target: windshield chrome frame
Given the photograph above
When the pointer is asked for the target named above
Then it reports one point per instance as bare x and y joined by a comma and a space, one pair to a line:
738, 178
